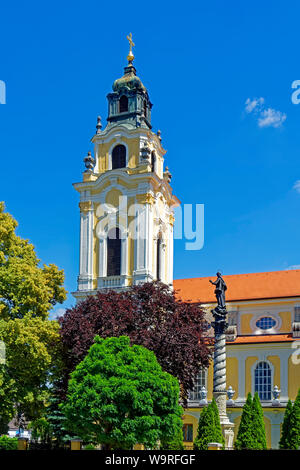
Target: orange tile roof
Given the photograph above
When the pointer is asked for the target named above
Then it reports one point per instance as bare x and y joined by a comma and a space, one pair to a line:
262, 339
269, 285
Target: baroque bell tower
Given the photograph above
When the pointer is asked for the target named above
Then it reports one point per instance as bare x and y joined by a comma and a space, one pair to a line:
126, 201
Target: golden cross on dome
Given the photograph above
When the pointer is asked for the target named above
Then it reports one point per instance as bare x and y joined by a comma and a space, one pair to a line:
130, 56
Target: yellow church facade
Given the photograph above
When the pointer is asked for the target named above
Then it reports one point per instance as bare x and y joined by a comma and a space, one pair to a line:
126, 238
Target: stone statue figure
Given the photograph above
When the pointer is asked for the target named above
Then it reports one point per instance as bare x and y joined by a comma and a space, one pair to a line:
220, 291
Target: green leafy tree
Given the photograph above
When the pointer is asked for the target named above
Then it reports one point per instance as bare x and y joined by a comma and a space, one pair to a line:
27, 292
175, 443
40, 432
258, 424
119, 396
32, 362
56, 419
25, 286
283, 443
245, 437
293, 435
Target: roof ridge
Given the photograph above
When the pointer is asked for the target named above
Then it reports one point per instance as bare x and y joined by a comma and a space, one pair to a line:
240, 274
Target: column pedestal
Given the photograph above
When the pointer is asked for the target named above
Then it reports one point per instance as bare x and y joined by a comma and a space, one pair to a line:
226, 425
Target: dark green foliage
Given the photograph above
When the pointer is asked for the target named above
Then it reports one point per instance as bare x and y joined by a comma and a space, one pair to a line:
175, 443
207, 429
40, 433
258, 424
119, 396
218, 429
245, 436
57, 420
283, 443
293, 435
8, 443
251, 434
89, 447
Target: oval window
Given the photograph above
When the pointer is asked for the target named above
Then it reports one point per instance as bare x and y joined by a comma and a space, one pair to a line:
266, 323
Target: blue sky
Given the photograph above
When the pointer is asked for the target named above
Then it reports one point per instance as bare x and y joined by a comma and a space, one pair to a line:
200, 61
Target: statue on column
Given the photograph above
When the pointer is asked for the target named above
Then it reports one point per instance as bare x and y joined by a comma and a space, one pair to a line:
220, 311
220, 290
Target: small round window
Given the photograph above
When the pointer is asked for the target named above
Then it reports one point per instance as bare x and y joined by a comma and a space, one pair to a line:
266, 323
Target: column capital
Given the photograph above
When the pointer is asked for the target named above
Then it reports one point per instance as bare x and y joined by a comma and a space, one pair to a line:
85, 206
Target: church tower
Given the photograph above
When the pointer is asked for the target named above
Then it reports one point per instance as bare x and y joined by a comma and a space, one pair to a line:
126, 201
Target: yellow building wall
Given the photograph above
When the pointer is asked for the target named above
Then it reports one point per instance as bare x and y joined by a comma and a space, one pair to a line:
248, 379
286, 322
113, 197
210, 380
245, 324
232, 380
293, 377
133, 146
275, 360
188, 419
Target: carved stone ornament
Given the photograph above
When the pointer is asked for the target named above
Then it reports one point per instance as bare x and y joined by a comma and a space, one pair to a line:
85, 206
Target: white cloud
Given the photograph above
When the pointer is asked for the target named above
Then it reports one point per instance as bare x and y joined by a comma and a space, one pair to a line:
266, 117
297, 186
294, 266
59, 312
271, 118
254, 105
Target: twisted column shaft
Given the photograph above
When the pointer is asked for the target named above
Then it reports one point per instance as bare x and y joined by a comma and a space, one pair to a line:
220, 363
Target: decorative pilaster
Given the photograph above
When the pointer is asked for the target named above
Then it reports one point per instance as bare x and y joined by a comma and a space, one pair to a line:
143, 231
85, 278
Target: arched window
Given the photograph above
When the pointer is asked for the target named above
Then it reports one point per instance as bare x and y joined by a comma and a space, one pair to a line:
145, 108
123, 104
263, 380
114, 252
158, 258
118, 158
153, 160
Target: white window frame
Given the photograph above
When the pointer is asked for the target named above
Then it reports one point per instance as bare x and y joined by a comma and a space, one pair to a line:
253, 377
194, 395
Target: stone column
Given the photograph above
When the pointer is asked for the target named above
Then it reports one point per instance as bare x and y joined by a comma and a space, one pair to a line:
219, 382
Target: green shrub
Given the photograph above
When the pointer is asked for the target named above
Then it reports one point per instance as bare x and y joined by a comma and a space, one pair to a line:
175, 443
293, 435
284, 443
251, 434
206, 429
89, 447
8, 443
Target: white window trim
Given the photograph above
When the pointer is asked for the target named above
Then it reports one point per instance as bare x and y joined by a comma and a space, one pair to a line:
118, 142
193, 400
102, 269
259, 316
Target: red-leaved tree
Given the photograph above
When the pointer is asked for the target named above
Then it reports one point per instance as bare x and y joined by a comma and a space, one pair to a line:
152, 317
